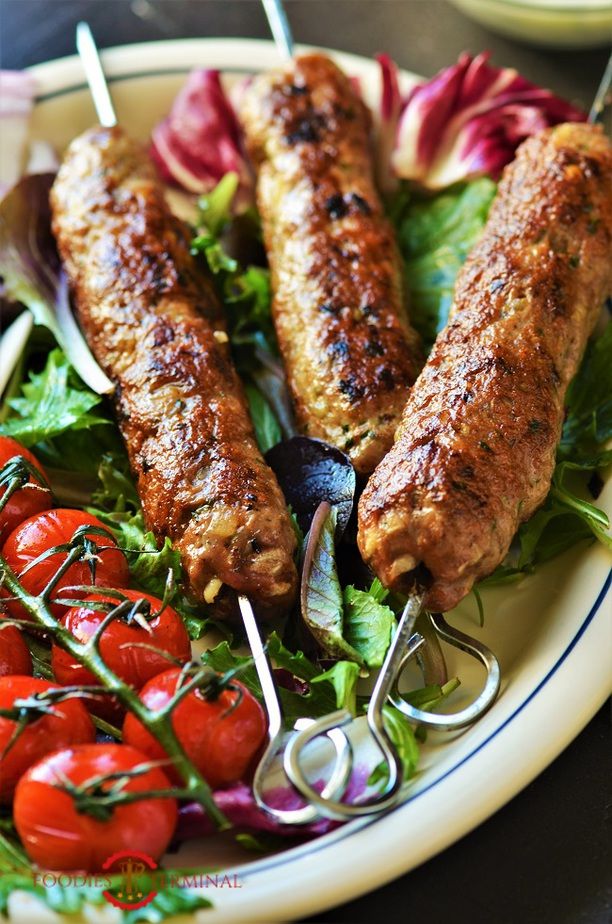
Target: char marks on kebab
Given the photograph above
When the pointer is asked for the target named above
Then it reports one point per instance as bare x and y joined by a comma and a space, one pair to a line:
475, 450
338, 305
155, 325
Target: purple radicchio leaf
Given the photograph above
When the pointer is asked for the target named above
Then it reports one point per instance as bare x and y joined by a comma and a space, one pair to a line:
390, 110
468, 120
289, 681
200, 140
238, 805
31, 272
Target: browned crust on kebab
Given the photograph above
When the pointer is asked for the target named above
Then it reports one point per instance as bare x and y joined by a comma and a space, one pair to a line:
155, 326
349, 352
475, 451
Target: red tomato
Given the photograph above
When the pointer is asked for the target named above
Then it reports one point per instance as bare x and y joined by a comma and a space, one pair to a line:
69, 724
56, 527
119, 645
56, 836
27, 500
15, 655
221, 734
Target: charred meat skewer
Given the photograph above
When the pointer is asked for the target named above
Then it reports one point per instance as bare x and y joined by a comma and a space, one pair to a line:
155, 325
349, 351
475, 451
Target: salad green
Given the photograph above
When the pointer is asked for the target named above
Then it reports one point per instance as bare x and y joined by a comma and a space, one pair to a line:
435, 235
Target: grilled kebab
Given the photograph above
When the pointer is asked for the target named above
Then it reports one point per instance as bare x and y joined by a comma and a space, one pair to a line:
155, 325
475, 451
348, 349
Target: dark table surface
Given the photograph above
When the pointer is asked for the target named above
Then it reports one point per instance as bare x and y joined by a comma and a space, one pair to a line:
544, 857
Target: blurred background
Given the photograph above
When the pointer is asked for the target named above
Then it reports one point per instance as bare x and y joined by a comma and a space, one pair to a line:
422, 35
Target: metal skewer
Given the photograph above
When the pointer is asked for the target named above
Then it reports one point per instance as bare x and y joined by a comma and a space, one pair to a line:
279, 26
602, 95
405, 645
476, 709
92, 65
276, 733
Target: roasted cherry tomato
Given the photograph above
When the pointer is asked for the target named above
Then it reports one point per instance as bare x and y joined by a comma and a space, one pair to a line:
68, 724
15, 655
57, 527
32, 498
121, 641
57, 835
220, 731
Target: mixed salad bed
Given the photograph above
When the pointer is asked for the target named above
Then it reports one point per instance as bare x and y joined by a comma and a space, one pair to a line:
111, 731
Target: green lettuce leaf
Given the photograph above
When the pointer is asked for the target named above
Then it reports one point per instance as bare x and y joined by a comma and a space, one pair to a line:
368, 623
588, 424
53, 401
343, 676
245, 291
564, 501
403, 737
435, 236
215, 208
327, 690
166, 904
267, 427
219, 262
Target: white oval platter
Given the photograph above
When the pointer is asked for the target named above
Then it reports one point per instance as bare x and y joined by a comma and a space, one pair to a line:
551, 632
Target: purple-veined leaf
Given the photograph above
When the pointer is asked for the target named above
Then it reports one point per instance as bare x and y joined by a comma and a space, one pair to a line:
199, 141
321, 598
468, 120
238, 805
31, 272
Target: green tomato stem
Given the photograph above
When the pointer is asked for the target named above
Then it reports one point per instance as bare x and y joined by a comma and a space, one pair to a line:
160, 725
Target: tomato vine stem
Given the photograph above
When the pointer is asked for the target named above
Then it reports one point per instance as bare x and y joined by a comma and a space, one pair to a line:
88, 654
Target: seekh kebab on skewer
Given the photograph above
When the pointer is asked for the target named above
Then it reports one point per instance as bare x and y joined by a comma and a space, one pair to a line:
348, 349
155, 325
475, 451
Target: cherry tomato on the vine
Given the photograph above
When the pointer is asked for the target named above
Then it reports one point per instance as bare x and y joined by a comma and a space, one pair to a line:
221, 733
57, 527
69, 723
15, 657
32, 498
120, 643
58, 836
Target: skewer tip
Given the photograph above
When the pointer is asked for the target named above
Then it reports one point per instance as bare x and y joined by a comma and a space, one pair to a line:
602, 96
90, 58
280, 28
